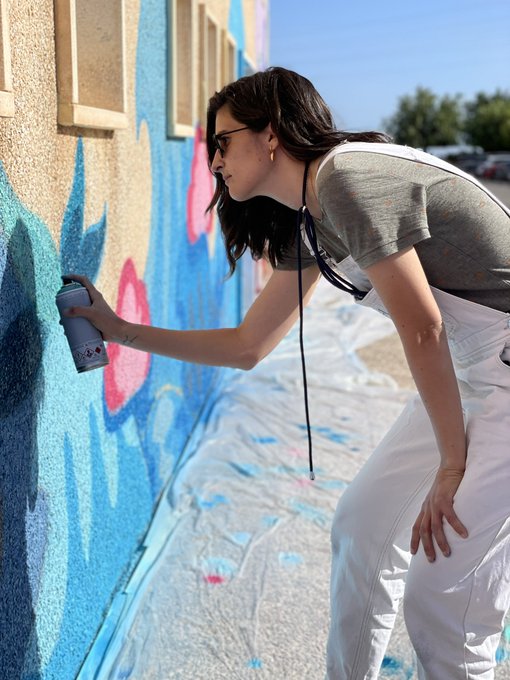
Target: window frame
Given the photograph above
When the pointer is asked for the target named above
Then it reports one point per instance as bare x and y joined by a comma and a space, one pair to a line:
229, 58
176, 126
70, 111
6, 91
207, 78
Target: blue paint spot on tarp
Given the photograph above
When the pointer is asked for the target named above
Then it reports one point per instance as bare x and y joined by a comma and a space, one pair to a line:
309, 512
270, 520
254, 663
208, 504
220, 566
241, 537
389, 663
392, 667
290, 559
332, 484
501, 655
293, 470
265, 440
337, 437
246, 469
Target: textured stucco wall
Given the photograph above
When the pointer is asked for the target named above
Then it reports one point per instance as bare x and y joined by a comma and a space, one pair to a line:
84, 457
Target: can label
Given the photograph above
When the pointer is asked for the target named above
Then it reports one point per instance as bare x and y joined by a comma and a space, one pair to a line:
85, 341
89, 355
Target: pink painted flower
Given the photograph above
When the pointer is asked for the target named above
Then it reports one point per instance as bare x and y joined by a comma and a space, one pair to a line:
128, 368
200, 192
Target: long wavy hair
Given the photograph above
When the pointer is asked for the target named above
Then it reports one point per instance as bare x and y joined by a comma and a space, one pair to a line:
304, 127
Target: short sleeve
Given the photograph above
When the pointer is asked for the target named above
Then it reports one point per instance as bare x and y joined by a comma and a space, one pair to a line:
374, 212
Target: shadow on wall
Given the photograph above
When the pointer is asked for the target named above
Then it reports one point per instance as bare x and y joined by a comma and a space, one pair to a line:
21, 346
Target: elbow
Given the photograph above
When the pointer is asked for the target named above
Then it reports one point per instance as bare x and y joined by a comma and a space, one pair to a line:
249, 352
251, 356
246, 366
248, 361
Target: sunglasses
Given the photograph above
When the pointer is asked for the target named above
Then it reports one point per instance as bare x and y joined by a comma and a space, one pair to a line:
219, 140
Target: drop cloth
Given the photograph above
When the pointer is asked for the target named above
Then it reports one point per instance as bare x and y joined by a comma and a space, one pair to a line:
240, 590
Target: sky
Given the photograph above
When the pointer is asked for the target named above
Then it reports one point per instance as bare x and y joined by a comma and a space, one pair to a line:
363, 55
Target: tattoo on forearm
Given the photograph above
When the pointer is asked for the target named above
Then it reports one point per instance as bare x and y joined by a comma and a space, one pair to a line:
129, 340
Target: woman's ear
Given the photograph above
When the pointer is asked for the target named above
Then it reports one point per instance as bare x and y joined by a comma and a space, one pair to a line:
271, 137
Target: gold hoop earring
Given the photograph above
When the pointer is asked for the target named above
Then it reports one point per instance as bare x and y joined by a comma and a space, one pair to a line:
271, 155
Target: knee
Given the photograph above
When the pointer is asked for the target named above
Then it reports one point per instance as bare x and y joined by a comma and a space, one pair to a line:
351, 523
420, 622
426, 606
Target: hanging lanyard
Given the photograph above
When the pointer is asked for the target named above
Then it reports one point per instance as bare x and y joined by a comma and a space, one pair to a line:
305, 219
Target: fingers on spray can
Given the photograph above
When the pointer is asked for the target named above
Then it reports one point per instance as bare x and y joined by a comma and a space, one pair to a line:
85, 341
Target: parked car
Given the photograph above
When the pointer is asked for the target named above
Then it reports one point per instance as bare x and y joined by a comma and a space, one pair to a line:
489, 167
502, 170
469, 162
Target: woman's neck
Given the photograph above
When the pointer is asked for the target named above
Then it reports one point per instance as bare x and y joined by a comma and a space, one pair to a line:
285, 184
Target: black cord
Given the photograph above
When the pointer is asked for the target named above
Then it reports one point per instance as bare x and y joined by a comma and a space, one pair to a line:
329, 274
301, 342
305, 218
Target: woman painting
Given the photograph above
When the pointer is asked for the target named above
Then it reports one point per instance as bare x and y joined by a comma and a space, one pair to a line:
427, 518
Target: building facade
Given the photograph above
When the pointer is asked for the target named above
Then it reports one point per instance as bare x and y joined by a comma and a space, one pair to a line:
103, 171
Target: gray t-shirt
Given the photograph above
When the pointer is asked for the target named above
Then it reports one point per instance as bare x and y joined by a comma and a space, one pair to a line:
374, 205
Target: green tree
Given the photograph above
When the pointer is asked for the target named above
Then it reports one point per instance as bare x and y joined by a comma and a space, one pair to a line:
488, 121
424, 120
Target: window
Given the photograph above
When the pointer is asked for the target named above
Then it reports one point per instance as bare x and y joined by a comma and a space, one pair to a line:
229, 58
91, 76
210, 65
182, 24
6, 93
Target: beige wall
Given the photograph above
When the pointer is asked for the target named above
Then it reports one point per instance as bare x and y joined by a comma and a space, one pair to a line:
87, 455
39, 155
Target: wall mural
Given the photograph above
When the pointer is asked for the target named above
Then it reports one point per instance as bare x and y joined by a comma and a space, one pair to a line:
85, 456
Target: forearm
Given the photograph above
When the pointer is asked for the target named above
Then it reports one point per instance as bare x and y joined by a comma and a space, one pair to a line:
430, 362
216, 347
266, 323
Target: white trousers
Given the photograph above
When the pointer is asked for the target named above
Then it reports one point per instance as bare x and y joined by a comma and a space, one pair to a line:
454, 608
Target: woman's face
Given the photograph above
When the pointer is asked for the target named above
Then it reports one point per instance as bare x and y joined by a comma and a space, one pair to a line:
246, 162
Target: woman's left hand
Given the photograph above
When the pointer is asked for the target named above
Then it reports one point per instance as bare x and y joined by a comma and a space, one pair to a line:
438, 507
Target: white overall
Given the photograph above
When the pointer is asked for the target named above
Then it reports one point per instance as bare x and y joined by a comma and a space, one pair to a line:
454, 608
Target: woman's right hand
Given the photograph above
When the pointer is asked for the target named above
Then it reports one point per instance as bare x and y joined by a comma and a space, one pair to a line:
100, 314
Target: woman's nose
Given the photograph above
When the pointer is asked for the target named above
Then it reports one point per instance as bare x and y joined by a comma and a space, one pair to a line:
217, 162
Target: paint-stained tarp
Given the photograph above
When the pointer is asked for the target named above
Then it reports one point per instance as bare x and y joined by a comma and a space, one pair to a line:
241, 587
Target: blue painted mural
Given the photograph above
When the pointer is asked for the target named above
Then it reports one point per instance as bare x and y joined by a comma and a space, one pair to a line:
86, 456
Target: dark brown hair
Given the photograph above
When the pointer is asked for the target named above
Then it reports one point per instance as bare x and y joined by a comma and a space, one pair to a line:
304, 126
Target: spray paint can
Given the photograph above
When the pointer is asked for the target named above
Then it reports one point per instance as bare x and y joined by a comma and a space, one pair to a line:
85, 341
